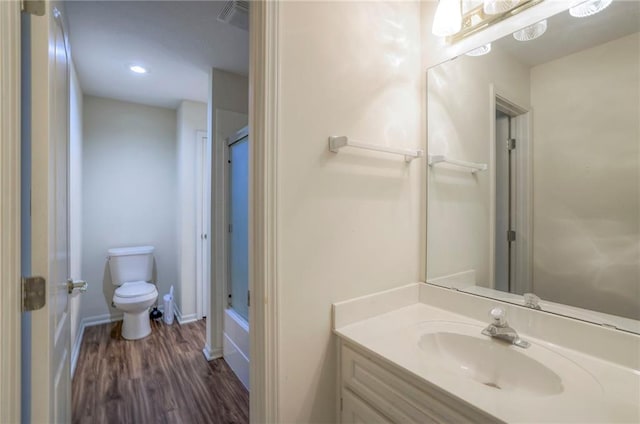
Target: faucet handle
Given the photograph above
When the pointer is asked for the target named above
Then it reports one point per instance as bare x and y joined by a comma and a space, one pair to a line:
499, 317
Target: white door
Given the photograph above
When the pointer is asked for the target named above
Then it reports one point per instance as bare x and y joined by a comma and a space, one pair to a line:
203, 220
50, 362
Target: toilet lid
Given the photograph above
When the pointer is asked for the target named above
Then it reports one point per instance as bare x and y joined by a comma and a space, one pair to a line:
135, 288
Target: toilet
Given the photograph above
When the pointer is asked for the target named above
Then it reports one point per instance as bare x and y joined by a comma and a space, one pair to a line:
131, 269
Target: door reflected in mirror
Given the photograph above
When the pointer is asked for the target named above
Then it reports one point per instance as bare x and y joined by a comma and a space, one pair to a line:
557, 211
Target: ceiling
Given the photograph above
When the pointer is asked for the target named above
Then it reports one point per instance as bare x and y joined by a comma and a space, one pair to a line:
566, 35
177, 41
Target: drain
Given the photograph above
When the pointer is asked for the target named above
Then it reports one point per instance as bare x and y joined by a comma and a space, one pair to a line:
494, 385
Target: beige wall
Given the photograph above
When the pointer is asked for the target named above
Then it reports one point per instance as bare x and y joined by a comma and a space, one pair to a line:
586, 178
351, 223
191, 117
128, 193
459, 121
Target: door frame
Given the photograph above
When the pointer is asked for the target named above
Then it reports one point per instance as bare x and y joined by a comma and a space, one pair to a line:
264, 78
203, 216
522, 130
264, 119
10, 133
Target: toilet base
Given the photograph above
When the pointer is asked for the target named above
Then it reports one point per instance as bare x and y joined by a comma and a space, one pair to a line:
136, 325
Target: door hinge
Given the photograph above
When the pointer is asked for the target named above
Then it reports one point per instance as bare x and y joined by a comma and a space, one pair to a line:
230, 227
34, 7
248, 297
511, 236
34, 291
511, 144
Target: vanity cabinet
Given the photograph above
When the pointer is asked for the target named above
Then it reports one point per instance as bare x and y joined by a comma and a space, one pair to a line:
373, 390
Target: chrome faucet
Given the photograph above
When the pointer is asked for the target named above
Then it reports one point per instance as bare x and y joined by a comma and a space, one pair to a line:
499, 329
532, 301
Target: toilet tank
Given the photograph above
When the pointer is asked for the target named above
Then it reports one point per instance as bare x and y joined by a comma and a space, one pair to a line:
130, 264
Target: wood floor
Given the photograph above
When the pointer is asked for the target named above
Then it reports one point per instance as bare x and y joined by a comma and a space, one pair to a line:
163, 378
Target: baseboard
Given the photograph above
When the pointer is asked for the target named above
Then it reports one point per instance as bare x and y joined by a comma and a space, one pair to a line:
101, 319
75, 351
211, 354
84, 323
183, 319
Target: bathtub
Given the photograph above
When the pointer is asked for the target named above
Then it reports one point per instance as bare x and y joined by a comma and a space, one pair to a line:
235, 345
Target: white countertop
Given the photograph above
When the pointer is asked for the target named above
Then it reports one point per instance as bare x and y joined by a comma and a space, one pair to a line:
389, 325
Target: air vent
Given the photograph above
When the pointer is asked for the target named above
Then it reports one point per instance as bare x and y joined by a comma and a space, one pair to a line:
236, 13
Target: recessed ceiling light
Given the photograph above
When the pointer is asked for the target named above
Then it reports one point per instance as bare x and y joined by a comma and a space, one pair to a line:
138, 69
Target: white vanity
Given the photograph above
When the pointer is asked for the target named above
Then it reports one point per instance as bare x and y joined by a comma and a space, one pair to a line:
417, 354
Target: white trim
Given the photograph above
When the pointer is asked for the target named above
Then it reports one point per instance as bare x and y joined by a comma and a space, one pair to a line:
498, 95
10, 295
203, 222
218, 297
492, 186
524, 202
263, 264
99, 319
75, 348
211, 354
183, 319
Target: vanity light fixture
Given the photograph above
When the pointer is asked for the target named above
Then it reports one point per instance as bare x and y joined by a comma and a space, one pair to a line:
531, 32
479, 51
588, 8
495, 7
448, 18
138, 69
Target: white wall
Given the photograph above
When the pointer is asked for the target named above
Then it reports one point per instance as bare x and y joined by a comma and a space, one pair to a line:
129, 193
350, 223
459, 118
75, 198
191, 117
586, 178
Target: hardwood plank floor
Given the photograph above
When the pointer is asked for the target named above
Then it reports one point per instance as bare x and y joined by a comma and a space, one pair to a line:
163, 378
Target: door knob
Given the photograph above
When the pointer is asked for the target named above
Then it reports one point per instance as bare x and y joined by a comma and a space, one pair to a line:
78, 284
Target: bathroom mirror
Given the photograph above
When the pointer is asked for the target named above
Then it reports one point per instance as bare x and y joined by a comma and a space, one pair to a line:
534, 168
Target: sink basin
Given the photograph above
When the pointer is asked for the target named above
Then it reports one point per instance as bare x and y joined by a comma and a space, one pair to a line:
493, 363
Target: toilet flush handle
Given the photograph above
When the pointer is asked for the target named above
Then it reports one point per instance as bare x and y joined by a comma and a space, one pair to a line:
77, 284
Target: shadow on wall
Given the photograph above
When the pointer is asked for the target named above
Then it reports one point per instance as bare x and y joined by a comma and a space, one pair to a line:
108, 288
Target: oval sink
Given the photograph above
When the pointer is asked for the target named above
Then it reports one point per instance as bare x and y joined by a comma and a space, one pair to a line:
493, 363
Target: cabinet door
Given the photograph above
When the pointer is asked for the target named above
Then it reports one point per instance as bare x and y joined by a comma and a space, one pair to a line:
355, 410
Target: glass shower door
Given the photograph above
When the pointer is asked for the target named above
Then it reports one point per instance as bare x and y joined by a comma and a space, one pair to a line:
239, 225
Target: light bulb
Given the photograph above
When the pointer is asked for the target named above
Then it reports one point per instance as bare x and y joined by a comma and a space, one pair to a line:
588, 8
479, 51
495, 7
448, 18
531, 32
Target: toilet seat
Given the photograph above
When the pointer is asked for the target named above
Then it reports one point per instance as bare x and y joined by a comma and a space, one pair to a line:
135, 289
